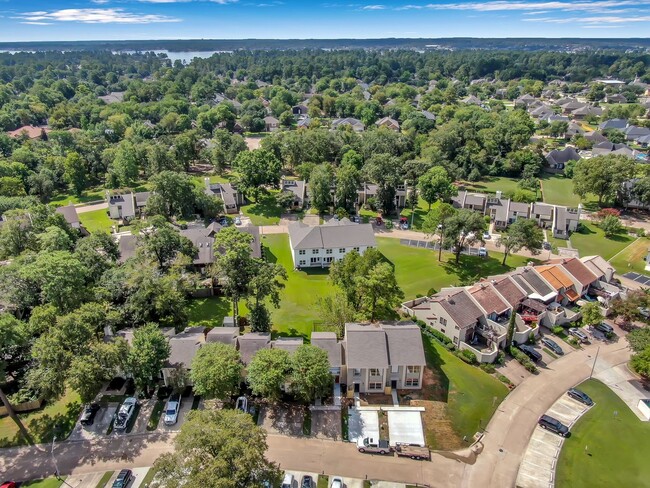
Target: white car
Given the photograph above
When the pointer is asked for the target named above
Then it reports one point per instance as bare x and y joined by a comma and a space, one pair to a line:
578, 334
287, 482
337, 482
124, 414
172, 410
486, 236
242, 404
482, 252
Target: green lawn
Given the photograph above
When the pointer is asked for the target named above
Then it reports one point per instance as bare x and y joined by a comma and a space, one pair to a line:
558, 190
57, 418
492, 185
45, 483
591, 240
416, 270
263, 212
420, 212
96, 221
632, 258
471, 394
605, 449
91, 195
209, 312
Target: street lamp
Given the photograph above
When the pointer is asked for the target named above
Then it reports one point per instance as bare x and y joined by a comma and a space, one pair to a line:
56, 467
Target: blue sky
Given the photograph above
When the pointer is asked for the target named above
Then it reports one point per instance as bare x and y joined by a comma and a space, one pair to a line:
235, 19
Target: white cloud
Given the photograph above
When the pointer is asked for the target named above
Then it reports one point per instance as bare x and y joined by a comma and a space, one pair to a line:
37, 23
594, 21
220, 2
95, 16
373, 7
507, 5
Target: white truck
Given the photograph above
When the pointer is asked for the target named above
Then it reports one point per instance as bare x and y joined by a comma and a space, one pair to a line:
373, 446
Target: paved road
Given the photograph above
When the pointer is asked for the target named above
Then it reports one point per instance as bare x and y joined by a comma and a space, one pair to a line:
315, 455
90, 208
511, 426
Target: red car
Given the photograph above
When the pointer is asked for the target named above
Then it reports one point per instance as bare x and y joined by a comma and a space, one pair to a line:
379, 221
8, 484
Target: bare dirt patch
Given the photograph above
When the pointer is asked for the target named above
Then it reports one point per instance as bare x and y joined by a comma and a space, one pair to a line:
438, 431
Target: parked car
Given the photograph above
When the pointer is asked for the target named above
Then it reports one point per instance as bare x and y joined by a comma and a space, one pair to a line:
242, 404
530, 352
371, 445
547, 422
379, 221
645, 312
237, 221
8, 484
552, 345
89, 413
223, 221
123, 479
337, 482
172, 410
124, 414
546, 246
581, 396
355, 219
482, 252
578, 334
486, 236
307, 482
287, 482
606, 328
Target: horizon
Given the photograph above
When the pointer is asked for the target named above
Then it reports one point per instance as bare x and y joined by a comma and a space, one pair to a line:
111, 20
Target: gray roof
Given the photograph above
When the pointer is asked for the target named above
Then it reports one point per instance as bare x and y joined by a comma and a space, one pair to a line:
460, 306
404, 344
184, 347
203, 242
366, 346
613, 124
289, 344
595, 137
126, 201
113, 97
329, 343
69, 213
542, 209
252, 342
297, 187
535, 281
564, 156
141, 198
225, 335
356, 123
334, 234
127, 246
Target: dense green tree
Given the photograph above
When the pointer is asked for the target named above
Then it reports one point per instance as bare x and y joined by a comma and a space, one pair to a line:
76, 173
268, 372
380, 294
348, 179
147, 355
163, 243
462, 228
436, 185
386, 171
591, 313
217, 448
310, 373
611, 225
522, 233
434, 220
216, 371
320, 187
257, 169
639, 339
602, 176
335, 311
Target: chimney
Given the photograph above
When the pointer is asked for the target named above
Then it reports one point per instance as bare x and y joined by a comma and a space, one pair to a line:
498, 193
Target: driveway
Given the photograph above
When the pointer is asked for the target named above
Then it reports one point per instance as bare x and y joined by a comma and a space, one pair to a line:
362, 423
622, 382
513, 423
186, 406
537, 468
326, 424
99, 427
282, 419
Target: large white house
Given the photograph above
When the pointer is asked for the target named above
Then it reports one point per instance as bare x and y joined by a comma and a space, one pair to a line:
321, 245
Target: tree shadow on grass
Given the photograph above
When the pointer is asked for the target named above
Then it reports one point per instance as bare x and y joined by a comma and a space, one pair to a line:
45, 427
436, 383
266, 206
208, 312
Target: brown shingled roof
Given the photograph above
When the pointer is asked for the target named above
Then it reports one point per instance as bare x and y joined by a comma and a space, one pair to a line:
488, 298
578, 270
460, 307
509, 290
555, 276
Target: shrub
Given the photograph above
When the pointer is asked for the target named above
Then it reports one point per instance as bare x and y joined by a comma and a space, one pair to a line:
468, 356
558, 329
531, 338
389, 224
530, 366
523, 359
501, 357
450, 346
488, 368
639, 232
440, 336
504, 379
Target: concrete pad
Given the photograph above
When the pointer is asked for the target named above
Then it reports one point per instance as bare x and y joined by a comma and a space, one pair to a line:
143, 413
282, 419
186, 407
623, 383
326, 424
99, 427
138, 474
89, 480
362, 424
405, 427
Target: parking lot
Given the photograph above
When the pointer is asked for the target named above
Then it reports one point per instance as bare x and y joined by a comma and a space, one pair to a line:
298, 475
537, 468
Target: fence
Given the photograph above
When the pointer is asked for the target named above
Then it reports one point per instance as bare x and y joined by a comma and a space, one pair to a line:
23, 407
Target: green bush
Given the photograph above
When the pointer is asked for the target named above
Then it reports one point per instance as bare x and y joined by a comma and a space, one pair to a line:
531, 338
640, 232
389, 224
450, 347
504, 379
468, 356
488, 368
558, 329
501, 357
439, 336
523, 359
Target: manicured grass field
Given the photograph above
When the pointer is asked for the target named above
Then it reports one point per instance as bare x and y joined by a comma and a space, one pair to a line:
492, 185
471, 394
420, 213
91, 195
632, 258
96, 221
591, 240
605, 449
263, 212
558, 190
417, 271
45, 483
57, 418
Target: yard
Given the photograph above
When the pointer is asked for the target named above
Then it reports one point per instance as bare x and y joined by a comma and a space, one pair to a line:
591, 240
471, 395
632, 258
605, 448
91, 195
492, 185
417, 271
263, 212
558, 190
57, 418
46, 483
96, 221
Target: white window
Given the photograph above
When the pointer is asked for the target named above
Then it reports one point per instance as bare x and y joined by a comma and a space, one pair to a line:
342, 250
374, 386
357, 372
315, 260
356, 249
328, 251
443, 321
314, 251
374, 372
302, 252
303, 262
413, 370
328, 259
412, 382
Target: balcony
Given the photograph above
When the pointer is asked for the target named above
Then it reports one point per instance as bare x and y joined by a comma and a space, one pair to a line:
523, 329
492, 332
483, 352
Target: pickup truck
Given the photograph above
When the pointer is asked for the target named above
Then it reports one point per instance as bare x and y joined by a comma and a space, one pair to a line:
413, 452
373, 446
